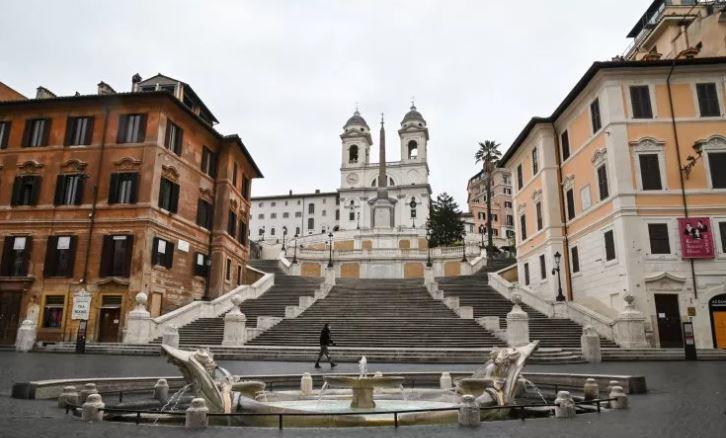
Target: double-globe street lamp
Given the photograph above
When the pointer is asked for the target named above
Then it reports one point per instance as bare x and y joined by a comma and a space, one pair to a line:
428, 247
413, 205
330, 244
294, 254
284, 234
558, 257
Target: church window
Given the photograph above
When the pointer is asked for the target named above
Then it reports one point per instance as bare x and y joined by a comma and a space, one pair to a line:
353, 154
412, 150
325, 212
311, 209
311, 223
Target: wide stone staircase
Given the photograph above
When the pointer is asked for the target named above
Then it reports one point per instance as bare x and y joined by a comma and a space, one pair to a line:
474, 291
381, 314
285, 292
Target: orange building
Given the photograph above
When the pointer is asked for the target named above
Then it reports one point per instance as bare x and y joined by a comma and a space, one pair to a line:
501, 205
116, 193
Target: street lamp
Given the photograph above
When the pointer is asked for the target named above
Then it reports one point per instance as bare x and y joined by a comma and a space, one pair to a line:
559, 297
330, 256
284, 234
428, 247
481, 231
463, 247
413, 205
262, 239
294, 255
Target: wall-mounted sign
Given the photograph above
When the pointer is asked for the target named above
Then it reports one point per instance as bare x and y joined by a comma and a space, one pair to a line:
696, 238
81, 306
183, 245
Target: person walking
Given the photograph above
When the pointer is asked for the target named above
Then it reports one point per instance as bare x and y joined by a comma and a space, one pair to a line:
325, 341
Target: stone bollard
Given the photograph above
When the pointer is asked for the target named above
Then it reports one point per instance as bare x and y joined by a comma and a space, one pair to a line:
621, 399
445, 381
611, 383
306, 384
69, 397
161, 391
25, 340
170, 336
235, 325
92, 408
88, 389
138, 322
469, 412
590, 344
517, 324
196, 417
565, 405
591, 389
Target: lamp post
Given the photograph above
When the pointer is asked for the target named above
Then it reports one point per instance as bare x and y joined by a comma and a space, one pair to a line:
428, 247
463, 247
330, 256
413, 205
294, 254
481, 231
263, 234
284, 234
560, 296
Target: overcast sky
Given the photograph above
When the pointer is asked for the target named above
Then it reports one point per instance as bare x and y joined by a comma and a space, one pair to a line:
285, 75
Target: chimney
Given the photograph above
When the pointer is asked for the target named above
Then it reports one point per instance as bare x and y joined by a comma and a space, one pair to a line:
105, 89
135, 79
317, 191
290, 192
44, 93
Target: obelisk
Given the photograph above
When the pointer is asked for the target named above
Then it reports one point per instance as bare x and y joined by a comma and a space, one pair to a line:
382, 205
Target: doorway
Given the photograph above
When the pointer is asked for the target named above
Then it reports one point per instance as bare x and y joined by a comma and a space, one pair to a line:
669, 321
9, 316
717, 308
109, 318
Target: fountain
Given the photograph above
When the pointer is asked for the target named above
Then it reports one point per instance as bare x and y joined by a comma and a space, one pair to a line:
362, 386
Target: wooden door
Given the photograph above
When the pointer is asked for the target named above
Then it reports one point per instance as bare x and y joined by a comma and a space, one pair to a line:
669, 320
9, 316
719, 328
108, 324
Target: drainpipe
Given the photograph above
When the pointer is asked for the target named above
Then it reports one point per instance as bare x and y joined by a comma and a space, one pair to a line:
563, 217
684, 201
205, 297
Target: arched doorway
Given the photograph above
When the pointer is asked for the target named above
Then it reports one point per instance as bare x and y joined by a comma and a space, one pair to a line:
717, 310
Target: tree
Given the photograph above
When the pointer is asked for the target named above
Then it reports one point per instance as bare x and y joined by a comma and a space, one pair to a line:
445, 221
488, 154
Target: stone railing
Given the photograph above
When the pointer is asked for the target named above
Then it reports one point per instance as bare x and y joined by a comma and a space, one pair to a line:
507, 289
586, 316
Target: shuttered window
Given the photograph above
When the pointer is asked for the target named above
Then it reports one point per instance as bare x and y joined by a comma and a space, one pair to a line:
209, 162
602, 182
204, 214
575, 259
650, 171
168, 195
526, 274
659, 242
538, 208
232, 224
520, 178
123, 188
595, 116
162, 253
717, 164
609, 245
311, 224
708, 100
570, 195
60, 256
79, 131
174, 138
15, 256
36, 133
542, 267
246, 187
535, 162
565, 145
640, 101
131, 128
242, 233
228, 270
69, 189
26, 190
4, 134
523, 226
201, 264
116, 255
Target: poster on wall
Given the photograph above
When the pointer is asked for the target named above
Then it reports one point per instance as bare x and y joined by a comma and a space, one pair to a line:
696, 237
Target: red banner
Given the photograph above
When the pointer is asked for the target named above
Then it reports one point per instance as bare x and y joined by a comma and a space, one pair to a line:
696, 238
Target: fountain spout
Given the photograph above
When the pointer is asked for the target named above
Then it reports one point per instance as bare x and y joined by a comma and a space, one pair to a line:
363, 367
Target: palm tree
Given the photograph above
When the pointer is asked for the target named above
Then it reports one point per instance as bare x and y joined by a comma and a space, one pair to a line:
488, 154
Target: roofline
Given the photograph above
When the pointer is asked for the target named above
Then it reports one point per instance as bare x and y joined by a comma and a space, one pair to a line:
595, 68
184, 84
294, 195
136, 95
644, 18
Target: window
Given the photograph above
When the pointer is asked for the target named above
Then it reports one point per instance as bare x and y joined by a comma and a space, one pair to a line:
201, 264
659, 242
123, 188
232, 224
274, 215
650, 171
595, 116
542, 267
261, 216
523, 227
298, 214
324, 213
575, 259
273, 204
79, 131
26, 189
4, 134
609, 245
69, 190
285, 215
412, 150
235, 172
311, 223
351, 216
173, 138
507, 204
209, 162
535, 163
353, 154
131, 128
246, 187
526, 274
204, 214
311, 208
717, 164
510, 233
708, 100
510, 220
640, 101
565, 144
60, 256
162, 253
228, 269
16, 254
239, 275
722, 232
507, 191
272, 231
520, 178
116, 255
297, 231
538, 208
53, 311
570, 204
602, 182
168, 195
36, 133
337, 215
242, 237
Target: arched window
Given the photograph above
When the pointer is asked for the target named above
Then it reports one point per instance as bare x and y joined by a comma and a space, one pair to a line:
412, 150
353, 154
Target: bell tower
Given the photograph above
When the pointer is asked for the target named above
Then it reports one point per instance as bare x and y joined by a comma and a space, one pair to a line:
414, 137
356, 142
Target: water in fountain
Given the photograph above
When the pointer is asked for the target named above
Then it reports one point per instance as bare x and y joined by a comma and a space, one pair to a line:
175, 398
322, 391
363, 366
403, 393
528, 383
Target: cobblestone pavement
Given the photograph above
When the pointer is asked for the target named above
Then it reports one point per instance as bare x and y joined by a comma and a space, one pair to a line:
685, 399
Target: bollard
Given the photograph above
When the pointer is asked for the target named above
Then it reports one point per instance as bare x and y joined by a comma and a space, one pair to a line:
591, 389
611, 383
88, 389
565, 405
445, 381
306, 384
196, 417
469, 412
161, 391
621, 399
69, 396
92, 408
